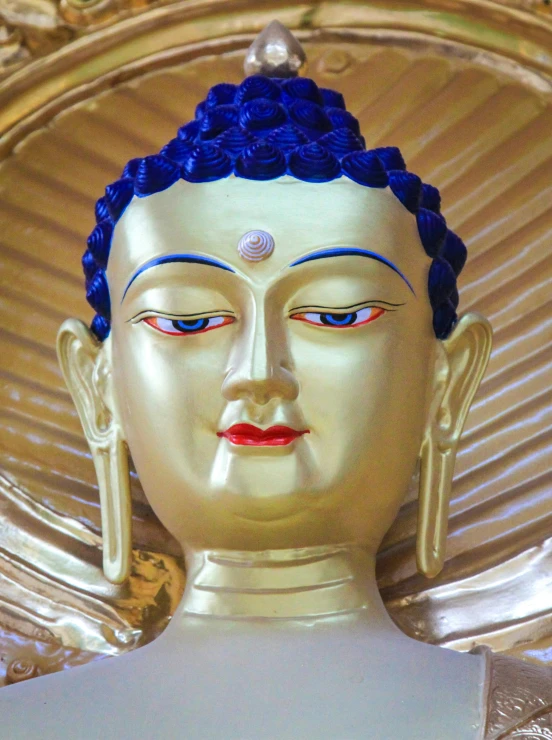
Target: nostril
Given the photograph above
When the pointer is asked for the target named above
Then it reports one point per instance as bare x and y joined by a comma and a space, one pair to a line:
260, 390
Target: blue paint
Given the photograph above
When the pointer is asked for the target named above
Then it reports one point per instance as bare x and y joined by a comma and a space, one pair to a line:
260, 161
262, 129
365, 168
191, 258
191, 326
314, 163
335, 319
351, 252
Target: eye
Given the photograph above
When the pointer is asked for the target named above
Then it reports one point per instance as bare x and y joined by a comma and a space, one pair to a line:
180, 327
341, 320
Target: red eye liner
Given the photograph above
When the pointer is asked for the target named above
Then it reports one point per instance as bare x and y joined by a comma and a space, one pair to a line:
247, 434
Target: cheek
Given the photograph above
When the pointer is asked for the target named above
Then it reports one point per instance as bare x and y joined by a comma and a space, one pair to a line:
363, 395
169, 392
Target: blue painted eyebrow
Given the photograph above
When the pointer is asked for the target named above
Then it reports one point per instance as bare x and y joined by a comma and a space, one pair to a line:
193, 258
351, 252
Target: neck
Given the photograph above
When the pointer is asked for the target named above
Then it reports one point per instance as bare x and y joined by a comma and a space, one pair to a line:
308, 583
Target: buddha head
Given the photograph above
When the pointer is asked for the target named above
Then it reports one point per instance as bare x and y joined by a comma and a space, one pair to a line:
276, 340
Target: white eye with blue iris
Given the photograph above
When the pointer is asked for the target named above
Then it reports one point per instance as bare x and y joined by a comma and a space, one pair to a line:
340, 320
181, 327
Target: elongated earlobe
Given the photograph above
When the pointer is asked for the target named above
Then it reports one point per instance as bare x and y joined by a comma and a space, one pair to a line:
111, 465
458, 375
436, 470
86, 368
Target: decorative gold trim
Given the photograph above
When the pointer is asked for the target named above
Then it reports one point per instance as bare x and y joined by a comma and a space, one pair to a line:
126, 42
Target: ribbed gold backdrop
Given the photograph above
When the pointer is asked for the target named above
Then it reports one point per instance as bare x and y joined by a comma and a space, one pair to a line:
466, 93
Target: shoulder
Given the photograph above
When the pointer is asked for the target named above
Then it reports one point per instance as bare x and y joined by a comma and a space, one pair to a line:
519, 699
84, 703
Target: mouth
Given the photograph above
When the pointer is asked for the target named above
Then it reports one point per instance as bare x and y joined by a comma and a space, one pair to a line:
247, 434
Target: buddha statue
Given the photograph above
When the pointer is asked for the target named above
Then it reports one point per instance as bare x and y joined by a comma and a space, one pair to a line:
276, 343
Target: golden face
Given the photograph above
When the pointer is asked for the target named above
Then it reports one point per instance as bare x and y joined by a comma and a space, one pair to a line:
338, 350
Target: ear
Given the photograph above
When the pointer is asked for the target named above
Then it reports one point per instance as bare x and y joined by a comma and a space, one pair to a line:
86, 366
460, 365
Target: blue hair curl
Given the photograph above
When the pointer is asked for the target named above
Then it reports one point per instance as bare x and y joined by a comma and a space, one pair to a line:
263, 129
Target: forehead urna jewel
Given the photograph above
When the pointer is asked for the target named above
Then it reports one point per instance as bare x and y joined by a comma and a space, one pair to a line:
256, 246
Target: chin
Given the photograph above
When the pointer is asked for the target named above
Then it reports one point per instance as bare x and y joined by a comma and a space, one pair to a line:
282, 508
255, 523
264, 478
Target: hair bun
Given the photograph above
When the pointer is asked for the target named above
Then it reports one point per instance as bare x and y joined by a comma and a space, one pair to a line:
365, 168
200, 110
432, 229
341, 141
234, 140
99, 242
262, 114
391, 157
154, 174
117, 197
189, 132
100, 327
89, 266
441, 282
301, 88
287, 138
260, 130
97, 294
176, 150
131, 167
314, 163
310, 116
257, 86
260, 161
221, 94
407, 188
332, 98
100, 210
431, 198
206, 163
454, 252
444, 319
216, 120
343, 119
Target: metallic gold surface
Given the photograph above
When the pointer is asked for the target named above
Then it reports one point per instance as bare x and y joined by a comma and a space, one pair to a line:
467, 349
76, 352
344, 479
466, 95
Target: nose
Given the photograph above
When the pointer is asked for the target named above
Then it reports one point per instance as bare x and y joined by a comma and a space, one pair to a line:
260, 362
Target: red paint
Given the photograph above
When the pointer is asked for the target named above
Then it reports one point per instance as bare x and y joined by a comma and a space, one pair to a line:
247, 434
377, 312
152, 321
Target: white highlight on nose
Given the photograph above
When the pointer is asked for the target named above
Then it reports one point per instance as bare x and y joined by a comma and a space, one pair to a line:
255, 246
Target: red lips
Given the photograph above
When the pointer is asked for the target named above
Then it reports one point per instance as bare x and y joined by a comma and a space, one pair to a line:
247, 434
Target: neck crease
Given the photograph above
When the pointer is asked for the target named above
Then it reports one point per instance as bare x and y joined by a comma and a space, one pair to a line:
314, 582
